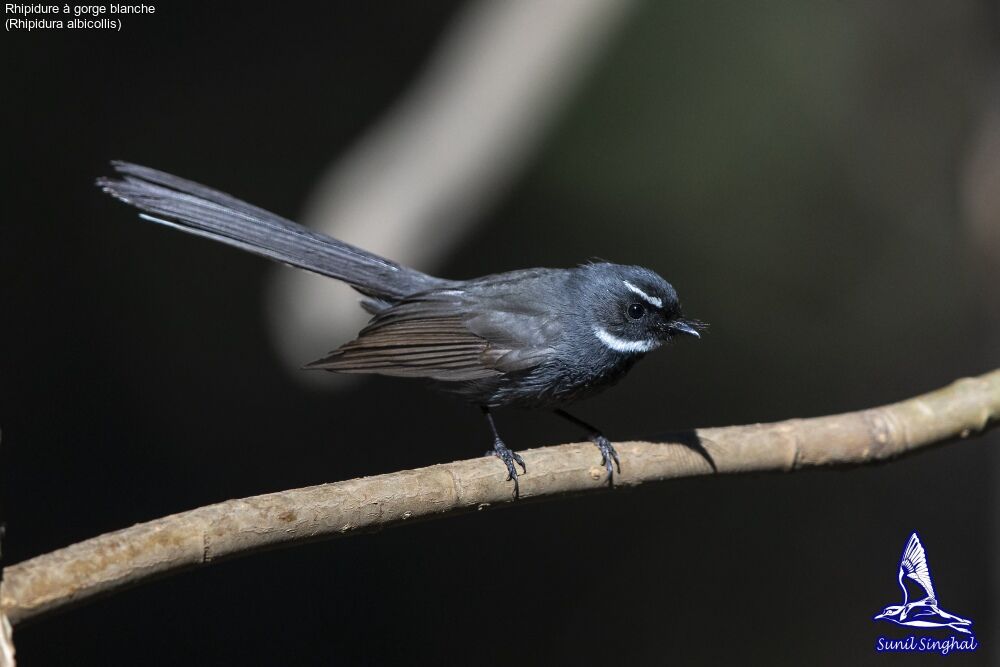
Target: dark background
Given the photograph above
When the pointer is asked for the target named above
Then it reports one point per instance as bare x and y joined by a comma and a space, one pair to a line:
797, 172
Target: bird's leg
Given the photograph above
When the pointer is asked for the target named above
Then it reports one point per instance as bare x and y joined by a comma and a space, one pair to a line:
505, 454
608, 453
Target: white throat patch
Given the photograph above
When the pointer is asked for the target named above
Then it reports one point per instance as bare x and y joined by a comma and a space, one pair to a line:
613, 342
651, 300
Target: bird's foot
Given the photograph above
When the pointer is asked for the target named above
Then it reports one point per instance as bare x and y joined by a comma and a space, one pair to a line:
608, 454
509, 458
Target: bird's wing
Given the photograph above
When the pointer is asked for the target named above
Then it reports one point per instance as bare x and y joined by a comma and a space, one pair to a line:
914, 565
436, 335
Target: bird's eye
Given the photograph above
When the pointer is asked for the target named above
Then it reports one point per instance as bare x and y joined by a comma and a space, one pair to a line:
636, 311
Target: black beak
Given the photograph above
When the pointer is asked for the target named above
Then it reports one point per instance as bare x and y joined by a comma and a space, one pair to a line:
684, 327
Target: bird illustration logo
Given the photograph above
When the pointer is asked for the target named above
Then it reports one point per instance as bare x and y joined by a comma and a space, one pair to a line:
923, 611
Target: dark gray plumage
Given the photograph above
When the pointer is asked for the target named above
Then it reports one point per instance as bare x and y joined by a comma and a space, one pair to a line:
534, 338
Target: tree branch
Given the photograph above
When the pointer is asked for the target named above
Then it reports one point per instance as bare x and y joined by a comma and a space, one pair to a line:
6, 642
198, 537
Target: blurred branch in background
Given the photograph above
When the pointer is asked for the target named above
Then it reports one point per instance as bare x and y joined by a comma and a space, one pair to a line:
414, 184
108, 562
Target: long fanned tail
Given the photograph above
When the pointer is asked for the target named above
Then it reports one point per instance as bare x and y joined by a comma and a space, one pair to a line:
199, 210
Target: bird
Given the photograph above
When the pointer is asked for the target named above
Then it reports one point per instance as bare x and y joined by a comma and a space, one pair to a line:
924, 612
536, 338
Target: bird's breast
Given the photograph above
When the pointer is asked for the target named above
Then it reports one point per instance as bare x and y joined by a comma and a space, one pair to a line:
554, 383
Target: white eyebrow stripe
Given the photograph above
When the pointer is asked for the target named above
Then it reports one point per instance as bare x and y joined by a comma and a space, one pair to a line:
652, 300
617, 344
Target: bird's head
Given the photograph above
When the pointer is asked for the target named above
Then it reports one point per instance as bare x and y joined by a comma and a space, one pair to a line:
891, 611
634, 310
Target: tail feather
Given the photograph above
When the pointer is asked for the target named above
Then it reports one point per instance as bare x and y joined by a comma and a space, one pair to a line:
199, 210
